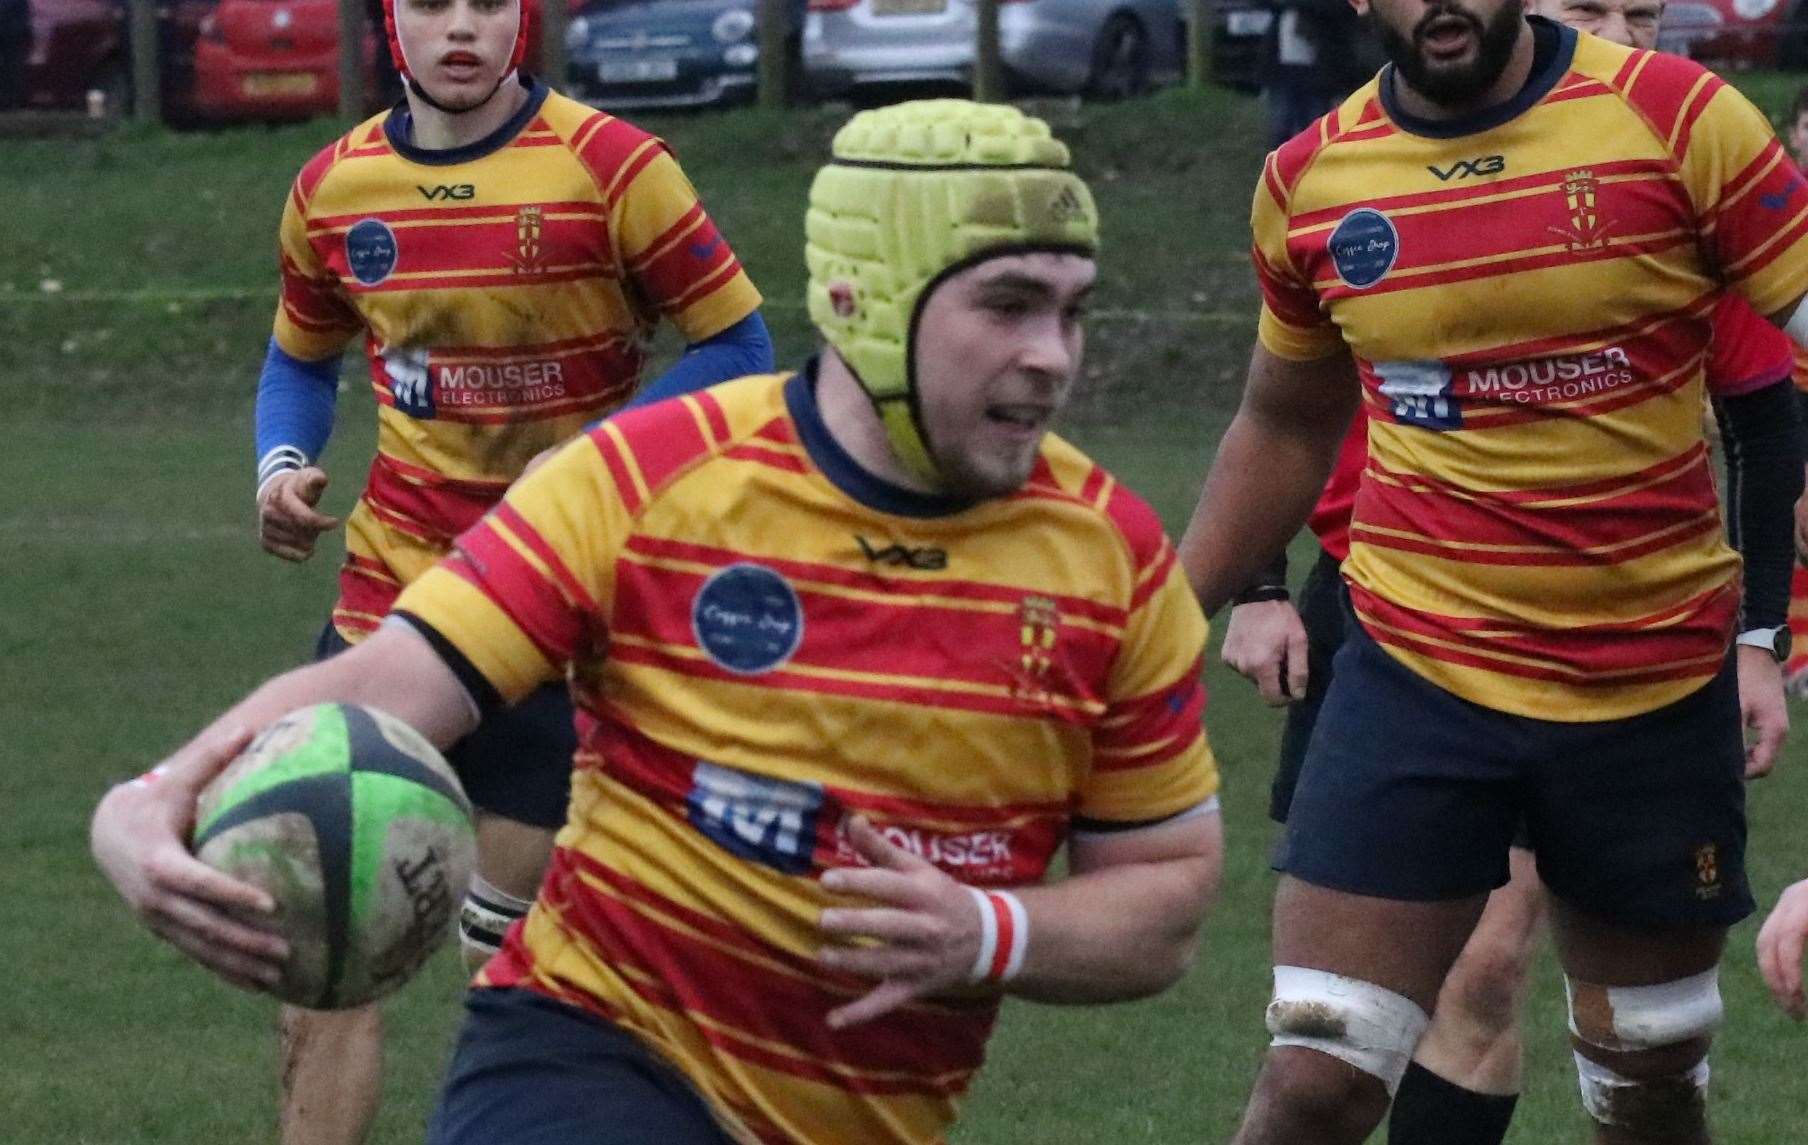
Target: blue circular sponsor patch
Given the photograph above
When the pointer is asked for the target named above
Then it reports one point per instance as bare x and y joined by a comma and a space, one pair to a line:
370, 250
1364, 247
747, 619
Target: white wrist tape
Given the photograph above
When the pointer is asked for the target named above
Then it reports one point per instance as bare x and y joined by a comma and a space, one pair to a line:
1004, 936
280, 460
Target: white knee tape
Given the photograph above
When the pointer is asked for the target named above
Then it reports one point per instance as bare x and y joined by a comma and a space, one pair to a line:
484, 919
1369, 1027
1611, 1097
1645, 1017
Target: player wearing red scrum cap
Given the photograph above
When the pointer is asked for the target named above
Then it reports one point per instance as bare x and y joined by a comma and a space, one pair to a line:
503, 254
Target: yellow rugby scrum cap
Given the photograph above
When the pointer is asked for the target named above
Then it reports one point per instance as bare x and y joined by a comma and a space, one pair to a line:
911, 194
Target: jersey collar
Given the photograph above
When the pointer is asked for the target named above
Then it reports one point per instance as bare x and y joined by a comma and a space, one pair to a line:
1555, 46
398, 128
843, 471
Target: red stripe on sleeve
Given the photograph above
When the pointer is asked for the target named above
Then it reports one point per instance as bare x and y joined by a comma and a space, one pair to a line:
1007, 937
672, 279
314, 170
536, 606
1657, 85
619, 472
664, 439
1691, 114
1174, 716
573, 589
629, 170
712, 413
1156, 578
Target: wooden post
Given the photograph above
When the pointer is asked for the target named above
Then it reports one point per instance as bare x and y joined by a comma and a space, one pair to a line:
147, 74
988, 68
774, 31
552, 43
1199, 43
351, 59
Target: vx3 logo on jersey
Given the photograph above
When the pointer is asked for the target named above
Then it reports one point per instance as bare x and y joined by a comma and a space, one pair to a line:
444, 191
927, 558
1463, 168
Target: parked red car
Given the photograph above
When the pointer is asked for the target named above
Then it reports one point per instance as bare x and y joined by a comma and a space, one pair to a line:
274, 60
78, 46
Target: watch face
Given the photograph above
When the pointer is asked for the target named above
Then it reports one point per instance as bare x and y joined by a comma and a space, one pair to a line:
1784, 642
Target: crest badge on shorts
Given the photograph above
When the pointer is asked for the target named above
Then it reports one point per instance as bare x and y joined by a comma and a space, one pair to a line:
747, 619
371, 251
1364, 247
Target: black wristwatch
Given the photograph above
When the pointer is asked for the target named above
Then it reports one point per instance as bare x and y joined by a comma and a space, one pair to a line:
1775, 641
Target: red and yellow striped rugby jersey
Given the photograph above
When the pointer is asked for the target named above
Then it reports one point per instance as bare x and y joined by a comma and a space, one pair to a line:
505, 292
1528, 299
762, 640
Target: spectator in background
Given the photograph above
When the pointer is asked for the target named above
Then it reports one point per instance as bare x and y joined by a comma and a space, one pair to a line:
15, 45
1314, 55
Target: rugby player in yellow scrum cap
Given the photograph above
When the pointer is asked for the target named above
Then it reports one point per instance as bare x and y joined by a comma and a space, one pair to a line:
857, 649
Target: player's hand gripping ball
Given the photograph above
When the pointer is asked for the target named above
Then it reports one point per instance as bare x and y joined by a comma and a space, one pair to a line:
357, 828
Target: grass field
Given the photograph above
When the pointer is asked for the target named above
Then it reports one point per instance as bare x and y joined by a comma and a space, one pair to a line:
136, 282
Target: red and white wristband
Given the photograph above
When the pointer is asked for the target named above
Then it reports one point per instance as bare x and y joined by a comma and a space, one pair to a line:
1004, 936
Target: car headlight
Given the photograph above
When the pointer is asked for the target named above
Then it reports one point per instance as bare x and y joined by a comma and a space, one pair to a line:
740, 55
734, 24
1753, 9
577, 33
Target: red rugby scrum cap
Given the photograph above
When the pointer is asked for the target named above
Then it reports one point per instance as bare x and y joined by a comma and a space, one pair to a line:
524, 7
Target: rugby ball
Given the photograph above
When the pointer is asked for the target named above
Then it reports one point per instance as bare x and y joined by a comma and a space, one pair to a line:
359, 830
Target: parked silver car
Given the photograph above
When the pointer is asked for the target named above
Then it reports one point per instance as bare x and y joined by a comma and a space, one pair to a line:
1102, 47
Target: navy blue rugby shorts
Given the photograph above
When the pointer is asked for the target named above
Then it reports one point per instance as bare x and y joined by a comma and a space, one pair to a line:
1410, 792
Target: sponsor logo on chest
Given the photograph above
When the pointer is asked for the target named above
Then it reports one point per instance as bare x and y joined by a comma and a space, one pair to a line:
422, 387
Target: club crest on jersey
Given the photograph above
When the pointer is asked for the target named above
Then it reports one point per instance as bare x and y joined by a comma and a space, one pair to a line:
371, 251
1038, 631
530, 250
1364, 247
1588, 229
747, 619
769, 821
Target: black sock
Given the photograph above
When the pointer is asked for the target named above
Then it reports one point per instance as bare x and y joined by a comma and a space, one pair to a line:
1431, 1111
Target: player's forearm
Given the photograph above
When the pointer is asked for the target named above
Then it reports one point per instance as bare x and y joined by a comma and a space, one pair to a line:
394, 671
294, 416
1117, 934
1270, 470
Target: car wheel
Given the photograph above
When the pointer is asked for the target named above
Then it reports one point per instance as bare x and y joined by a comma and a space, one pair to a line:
1120, 59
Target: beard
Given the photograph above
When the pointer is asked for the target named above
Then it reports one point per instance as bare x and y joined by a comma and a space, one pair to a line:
1460, 84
